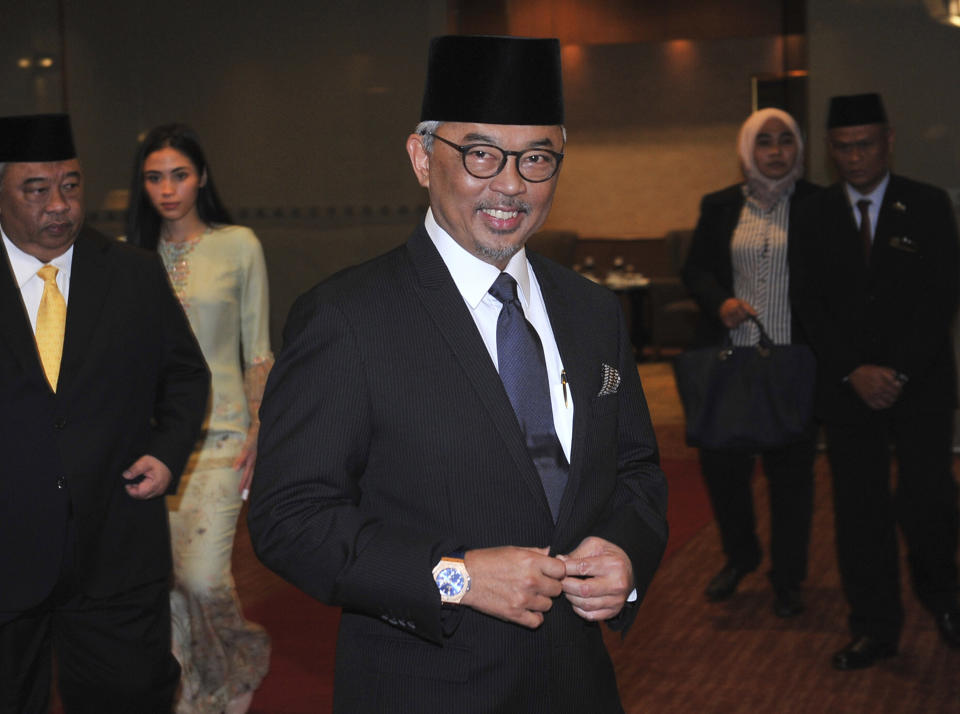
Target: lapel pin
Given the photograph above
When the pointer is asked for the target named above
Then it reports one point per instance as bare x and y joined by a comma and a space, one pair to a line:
897, 206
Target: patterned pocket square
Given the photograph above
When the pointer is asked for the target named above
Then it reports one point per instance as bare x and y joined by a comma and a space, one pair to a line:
611, 380
904, 243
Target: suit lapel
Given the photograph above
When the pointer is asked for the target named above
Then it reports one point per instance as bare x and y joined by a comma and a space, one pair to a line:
891, 211
845, 230
579, 376
443, 302
731, 215
841, 204
14, 322
89, 282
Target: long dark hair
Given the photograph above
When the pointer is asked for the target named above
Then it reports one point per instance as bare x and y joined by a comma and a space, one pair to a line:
143, 221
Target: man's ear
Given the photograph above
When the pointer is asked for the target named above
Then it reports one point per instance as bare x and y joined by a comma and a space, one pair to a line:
419, 159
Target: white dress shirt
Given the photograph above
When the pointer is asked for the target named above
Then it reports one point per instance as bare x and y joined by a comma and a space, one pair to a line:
25, 268
474, 278
876, 199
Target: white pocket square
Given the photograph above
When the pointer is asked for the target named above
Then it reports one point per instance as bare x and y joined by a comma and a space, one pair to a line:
611, 380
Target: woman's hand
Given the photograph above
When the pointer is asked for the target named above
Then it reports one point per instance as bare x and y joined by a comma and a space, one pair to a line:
247, 460
733, 311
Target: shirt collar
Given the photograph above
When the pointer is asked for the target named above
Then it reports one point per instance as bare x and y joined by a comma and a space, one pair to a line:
25, 266
473, 276
875, 196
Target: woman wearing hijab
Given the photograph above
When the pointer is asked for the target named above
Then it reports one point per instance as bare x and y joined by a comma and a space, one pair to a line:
739, 266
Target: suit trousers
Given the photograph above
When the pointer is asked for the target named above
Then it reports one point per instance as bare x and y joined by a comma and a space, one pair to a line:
789, 472
867, 511
113, 653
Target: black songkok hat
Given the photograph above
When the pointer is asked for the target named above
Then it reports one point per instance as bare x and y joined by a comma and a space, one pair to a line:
493, 80
35, 138
855, 110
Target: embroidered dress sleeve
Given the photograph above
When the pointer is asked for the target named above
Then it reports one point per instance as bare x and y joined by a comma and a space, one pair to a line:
255, 329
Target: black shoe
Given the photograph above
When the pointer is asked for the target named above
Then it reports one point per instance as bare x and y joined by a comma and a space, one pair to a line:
949, 625
863, 652
724, 584
789, 602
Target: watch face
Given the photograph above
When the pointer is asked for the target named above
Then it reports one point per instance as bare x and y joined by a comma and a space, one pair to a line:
450, 582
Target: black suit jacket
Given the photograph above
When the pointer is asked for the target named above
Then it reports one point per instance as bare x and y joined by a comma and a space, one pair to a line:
708, 270
897, 311
132, 382
388, 441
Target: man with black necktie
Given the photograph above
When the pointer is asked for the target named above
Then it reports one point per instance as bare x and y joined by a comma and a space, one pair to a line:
876, 291
455, 446
102, 394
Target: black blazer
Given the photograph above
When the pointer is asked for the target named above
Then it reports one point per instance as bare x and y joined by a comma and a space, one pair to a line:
708, 270
132, 382
897, 311
387, 441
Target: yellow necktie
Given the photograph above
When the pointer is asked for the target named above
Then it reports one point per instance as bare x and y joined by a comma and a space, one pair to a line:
51, 321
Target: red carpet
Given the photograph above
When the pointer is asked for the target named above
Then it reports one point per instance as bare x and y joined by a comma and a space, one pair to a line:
304, 631
304, 634
688, 509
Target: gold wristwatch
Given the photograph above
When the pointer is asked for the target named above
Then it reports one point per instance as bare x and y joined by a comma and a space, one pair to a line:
452, 578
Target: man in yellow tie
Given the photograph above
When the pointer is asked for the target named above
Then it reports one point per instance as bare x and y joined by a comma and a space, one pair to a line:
102, 393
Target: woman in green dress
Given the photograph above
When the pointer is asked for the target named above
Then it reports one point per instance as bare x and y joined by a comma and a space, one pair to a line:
218, 273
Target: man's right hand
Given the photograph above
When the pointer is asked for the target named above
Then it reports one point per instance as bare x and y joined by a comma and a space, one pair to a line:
156, 477
877, 386
513, 583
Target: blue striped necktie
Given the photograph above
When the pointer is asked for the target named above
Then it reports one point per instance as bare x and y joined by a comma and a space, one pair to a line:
524, 375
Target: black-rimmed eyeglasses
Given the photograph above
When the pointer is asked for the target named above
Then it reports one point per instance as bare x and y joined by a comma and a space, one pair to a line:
485, 161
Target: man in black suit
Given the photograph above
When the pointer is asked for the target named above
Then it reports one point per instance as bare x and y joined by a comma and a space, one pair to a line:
102, 392
878, 296
472, 477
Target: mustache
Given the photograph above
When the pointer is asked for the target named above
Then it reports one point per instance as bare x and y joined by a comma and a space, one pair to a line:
509, 204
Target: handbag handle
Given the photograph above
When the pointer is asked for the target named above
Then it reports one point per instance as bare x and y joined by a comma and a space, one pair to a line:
764, 343
764, 340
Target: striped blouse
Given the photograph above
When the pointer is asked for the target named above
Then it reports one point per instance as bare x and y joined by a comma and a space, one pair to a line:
760, 273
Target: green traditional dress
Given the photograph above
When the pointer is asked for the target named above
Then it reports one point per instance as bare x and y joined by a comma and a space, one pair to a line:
220, 279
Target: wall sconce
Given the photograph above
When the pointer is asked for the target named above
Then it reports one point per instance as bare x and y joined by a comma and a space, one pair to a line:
945, 11
35, 62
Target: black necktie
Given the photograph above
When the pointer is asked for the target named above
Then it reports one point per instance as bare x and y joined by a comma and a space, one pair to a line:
524, 375
866, 235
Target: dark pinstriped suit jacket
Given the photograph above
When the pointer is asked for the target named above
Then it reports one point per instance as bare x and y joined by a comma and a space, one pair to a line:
388, 440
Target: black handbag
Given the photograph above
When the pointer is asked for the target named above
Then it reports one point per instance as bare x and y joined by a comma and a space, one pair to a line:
746, 398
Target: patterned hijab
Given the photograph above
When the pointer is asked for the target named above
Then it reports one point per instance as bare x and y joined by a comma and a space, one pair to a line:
767, 191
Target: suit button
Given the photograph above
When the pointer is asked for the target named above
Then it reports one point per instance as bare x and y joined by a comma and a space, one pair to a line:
60, 423
61, 483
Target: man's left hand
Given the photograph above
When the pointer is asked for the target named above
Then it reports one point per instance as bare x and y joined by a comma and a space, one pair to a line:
156, 477
599, 578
